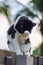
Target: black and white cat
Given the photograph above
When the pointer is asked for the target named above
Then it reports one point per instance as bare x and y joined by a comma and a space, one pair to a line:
19, 36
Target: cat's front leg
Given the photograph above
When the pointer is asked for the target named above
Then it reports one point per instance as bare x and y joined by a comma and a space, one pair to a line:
17, 47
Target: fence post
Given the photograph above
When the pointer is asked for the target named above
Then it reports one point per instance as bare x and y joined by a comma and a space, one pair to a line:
24, 60
42, 49
8, 60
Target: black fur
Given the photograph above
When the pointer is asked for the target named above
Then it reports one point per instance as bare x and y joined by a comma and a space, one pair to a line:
24, 24
11, 31
27, 41
8, 42
30, 50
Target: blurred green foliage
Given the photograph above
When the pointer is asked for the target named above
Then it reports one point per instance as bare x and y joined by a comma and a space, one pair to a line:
37, 52
39, 4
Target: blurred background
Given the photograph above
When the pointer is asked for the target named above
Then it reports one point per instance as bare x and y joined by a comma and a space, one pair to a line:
11, 9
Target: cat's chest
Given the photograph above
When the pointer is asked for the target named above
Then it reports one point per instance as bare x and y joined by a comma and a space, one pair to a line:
22, 38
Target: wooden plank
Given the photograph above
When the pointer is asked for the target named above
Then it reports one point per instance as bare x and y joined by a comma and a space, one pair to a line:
1, 64
11, 54
40, 60
24, 60
5, 57
34, 60
10, 58
29, 60
1, 56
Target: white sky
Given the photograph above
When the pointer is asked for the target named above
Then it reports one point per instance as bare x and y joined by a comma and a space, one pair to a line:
1, 0
24, 1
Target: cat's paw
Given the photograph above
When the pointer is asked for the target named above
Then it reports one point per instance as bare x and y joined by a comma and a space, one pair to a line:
27, 54
19, 53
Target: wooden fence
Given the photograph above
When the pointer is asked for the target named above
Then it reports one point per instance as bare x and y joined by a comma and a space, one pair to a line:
10, 58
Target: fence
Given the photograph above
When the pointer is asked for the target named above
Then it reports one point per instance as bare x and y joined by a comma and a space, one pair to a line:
10, 58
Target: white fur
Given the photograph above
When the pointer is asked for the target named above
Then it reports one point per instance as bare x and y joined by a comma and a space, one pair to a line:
14, 44
17, 44
25, 49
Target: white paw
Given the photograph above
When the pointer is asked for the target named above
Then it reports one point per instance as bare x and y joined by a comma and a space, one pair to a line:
27, 54
19, 53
